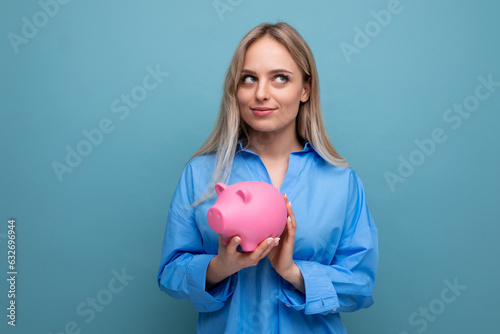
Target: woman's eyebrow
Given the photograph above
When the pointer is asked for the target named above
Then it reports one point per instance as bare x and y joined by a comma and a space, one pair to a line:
280, 70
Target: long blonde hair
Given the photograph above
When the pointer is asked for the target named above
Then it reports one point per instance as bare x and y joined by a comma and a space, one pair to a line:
229, 127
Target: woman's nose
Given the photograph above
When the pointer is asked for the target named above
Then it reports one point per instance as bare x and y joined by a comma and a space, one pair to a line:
262, 92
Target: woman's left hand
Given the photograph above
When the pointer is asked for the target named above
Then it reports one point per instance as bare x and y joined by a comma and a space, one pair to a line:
281, 257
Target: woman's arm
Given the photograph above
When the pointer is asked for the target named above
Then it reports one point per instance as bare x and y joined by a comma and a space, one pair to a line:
184, 264
184, 261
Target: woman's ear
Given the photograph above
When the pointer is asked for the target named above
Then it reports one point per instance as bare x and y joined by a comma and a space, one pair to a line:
306, 91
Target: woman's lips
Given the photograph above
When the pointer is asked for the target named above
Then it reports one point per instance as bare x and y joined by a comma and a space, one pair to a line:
262, 111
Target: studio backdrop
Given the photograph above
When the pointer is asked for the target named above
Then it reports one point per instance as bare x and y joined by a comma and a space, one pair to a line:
103, 103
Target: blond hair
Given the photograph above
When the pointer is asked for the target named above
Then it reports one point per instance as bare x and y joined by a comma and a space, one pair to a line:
229, 127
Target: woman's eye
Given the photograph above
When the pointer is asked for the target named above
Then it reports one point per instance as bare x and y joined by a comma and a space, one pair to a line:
248, 79
281, 78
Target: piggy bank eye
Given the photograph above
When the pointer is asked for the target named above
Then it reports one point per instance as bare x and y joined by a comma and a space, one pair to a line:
245, 195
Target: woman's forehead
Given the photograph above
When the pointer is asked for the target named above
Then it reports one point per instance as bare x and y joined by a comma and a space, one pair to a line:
267, 54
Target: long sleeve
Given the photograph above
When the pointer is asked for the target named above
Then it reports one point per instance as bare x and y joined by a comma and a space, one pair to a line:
346, 284
184, 262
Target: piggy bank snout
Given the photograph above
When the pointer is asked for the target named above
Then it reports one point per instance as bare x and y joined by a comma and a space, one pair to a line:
215, 219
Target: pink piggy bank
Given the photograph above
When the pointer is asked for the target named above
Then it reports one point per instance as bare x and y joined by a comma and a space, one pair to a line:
253, 210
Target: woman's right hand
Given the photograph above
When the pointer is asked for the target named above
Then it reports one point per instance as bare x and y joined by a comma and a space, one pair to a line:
229, 260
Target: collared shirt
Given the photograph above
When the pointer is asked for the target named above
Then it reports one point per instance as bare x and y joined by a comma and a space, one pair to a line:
336, 250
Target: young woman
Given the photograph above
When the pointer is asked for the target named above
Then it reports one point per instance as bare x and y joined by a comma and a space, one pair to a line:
270, 129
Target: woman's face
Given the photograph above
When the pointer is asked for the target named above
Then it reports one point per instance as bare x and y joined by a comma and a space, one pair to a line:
271, 87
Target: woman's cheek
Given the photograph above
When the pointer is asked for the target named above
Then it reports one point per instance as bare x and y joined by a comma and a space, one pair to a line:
244, 94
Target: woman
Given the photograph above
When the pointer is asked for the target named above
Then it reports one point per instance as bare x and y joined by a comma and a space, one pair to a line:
270, 129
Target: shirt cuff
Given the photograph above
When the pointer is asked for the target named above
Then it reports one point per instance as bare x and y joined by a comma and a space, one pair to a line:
202, 300
320, 295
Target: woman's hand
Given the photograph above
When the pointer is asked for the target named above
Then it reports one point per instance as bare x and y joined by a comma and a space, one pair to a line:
229, 260
281, 257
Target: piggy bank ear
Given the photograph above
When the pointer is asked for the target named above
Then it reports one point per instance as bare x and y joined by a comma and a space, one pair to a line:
220, 187
245, 195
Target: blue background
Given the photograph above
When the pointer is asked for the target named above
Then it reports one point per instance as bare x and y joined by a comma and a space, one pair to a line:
108, 215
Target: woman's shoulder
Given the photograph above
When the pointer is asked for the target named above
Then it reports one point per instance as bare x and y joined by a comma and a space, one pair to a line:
199, 167
331, 166
201, 161
327, 167
328, 173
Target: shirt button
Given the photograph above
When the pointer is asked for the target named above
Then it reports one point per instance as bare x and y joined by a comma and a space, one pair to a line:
287, 305
334, 309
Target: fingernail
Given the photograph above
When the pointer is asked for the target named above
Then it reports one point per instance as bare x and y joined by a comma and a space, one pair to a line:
237, 239
289, 219
269, 240
277, 241
290, 203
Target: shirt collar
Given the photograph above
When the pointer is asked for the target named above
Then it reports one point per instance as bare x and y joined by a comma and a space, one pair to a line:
308, 147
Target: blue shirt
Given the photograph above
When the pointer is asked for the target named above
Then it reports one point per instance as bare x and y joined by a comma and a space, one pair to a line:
336, 250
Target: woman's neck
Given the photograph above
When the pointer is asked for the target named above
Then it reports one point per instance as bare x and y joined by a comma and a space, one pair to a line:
274, 144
